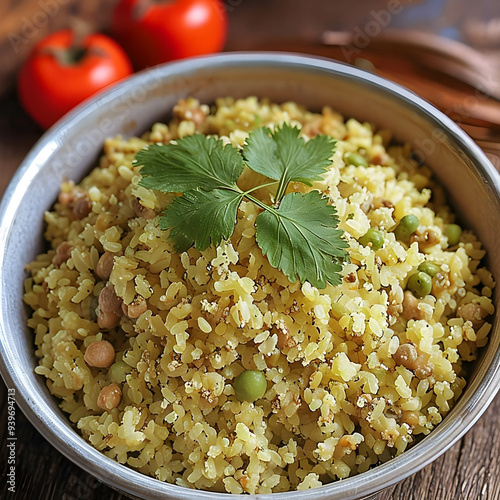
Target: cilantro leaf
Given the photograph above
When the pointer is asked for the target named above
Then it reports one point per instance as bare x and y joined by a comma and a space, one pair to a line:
201, 218
196, 161
300, 238
285, 156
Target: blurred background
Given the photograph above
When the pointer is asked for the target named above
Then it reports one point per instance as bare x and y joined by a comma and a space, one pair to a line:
256, 22
445, 50
448, 51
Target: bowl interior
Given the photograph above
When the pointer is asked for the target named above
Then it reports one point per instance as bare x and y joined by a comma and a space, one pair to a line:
72, 147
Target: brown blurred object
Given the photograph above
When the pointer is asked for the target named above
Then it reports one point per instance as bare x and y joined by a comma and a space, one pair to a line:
24, 22
460, 81
464, 91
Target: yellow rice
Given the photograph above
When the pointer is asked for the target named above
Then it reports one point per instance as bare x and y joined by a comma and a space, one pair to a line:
337, 402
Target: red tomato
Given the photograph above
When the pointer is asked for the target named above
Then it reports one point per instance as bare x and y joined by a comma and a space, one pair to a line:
60, 74
155, 31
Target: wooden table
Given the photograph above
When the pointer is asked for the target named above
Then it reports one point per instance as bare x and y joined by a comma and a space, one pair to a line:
470, 470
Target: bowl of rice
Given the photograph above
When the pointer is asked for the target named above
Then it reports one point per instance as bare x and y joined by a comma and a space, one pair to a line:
209, 372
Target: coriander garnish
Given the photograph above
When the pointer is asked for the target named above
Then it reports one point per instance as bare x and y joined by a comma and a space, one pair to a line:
298, 234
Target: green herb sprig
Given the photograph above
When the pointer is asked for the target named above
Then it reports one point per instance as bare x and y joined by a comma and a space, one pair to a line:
298, 233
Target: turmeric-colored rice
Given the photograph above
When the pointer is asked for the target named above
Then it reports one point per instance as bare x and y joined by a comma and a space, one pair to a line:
355, 373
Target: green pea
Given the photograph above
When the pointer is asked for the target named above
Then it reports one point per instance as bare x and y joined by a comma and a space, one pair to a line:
420, 284
429, 268
250, 385
453, 233
118, 371
355, 159
373, 236
406, 227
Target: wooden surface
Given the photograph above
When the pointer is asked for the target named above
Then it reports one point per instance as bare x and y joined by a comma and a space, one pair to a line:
470, 470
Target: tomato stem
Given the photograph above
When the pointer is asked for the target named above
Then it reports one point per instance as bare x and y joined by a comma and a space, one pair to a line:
67, 57
74, 54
